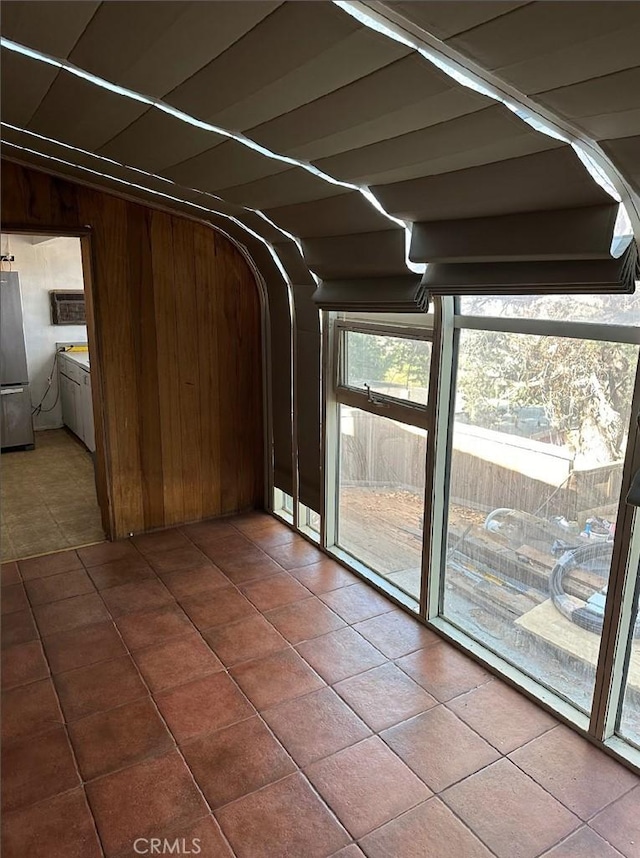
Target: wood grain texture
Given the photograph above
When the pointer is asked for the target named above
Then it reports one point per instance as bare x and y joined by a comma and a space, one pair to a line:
176, 346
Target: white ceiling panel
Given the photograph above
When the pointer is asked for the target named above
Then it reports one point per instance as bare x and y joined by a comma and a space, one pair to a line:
25, 83
50, 27
287, 188
445, 18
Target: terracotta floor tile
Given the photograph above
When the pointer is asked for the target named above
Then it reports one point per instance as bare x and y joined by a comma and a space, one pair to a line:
255, 521
509, 812
107, 552
427, 830
18, 628
249, 566
579, 775
160, 540
444, 671
351, 851
383, 696
177, 560
205, 834
253, 637
33, 771
121, 737
293, 555
57, 587
83, 646
439, 747
504, 717
584, 843
324, 576
49, 564
126, 570
29, 709
304, 620
275, 592
357, 603
60, 827
143, 596
142, 800
236, 760
13, 598
70, 614
10, 573
96, 688
176, 661
618, 824
203, 705
340, 654
396, 634
271, 536
189, 582
145, 628
229, 547
315, 726
366, 785
284, 820
278, 677
22, 664
209, 531
225, 605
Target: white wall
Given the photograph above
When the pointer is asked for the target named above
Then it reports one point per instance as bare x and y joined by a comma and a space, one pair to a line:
43, 264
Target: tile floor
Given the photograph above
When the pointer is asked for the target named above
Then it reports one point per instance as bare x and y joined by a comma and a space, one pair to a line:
48, 497
226, 682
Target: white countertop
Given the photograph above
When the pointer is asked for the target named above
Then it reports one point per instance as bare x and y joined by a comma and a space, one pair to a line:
81, 358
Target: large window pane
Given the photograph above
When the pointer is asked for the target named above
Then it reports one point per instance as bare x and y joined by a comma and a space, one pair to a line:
601, 309
381, 495
629, 726
538, 443
393, 366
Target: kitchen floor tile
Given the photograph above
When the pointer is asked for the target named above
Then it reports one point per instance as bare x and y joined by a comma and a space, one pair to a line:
10, 574
160, 540
275, 592
190, 582
236, 760
582, 777
217, 608
70, 614
284, 820
59, 827
324, 576
584, 843
430, 829
509, 812
383, 696
251, 565
357, 603
176, 661
439, 747
202, 706
618, 824
209, 531
121, 737
177, 559
293, 555
253, 637
143, 596
205, 835
132, 569
366, 785
29, 709
395, 634
18, 628
275, 678
22, 664
107, 552
145, 628
96, 688
501, 715
54, 588
33, 771
340, 654
315, 726
83, 646
142, 800
304, 620
444, 671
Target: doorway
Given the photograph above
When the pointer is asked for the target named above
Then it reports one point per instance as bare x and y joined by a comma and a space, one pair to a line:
49, 499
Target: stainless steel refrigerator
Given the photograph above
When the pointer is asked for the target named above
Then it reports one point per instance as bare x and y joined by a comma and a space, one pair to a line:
16, 422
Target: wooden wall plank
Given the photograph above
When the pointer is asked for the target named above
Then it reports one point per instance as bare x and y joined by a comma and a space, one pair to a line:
177, 334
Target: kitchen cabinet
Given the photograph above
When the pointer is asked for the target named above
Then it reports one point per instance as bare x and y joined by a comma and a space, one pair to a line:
75, 396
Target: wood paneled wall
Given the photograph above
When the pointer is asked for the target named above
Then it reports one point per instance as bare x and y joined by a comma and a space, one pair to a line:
175, 347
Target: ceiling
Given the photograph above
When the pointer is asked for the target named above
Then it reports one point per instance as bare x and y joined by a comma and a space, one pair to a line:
303, 106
